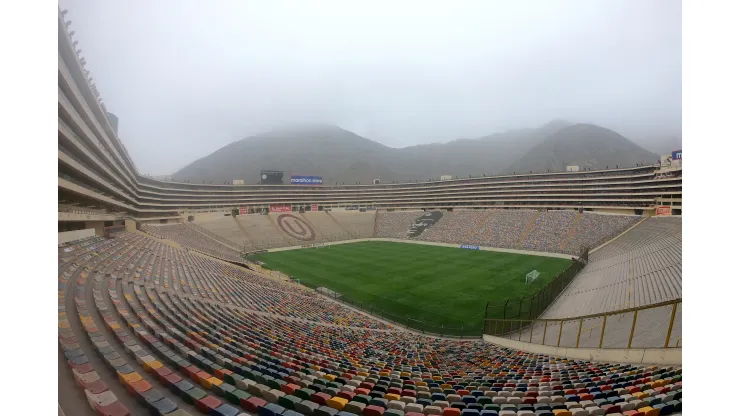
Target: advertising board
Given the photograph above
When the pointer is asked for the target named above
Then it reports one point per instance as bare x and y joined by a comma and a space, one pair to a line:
281, 208
314, 207
243, 210
663, 211
469, 247
306, 180
676, 155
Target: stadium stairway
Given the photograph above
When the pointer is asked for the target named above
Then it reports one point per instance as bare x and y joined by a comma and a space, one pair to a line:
345, 230
529, 227
213, 236
570, 233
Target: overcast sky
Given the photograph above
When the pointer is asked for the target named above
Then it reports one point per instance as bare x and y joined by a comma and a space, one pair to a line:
187, 77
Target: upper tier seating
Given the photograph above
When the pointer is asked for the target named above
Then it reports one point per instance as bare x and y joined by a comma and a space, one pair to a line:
455, 227
161, 331
395, 224
554, 231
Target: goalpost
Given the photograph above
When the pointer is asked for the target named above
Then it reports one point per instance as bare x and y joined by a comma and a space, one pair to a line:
531, 277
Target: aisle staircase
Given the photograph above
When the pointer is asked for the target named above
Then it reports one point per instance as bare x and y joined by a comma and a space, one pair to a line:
528, 229
571, 232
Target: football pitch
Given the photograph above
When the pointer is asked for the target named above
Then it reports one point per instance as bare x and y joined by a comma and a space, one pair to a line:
439, 286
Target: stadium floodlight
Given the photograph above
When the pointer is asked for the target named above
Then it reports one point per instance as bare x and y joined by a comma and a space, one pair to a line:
531, 277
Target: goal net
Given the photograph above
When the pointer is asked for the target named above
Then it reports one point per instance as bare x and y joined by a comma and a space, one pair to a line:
531, 277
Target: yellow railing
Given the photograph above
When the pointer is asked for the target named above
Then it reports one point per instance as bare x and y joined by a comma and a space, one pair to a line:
654, 330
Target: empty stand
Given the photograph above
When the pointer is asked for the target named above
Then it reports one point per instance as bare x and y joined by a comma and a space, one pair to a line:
154, 329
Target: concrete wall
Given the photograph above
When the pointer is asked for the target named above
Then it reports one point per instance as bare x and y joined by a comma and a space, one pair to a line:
67, 236
662, 356
431, 243
98, 226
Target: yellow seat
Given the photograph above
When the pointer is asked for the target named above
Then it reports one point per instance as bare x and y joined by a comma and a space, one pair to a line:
649, 411
391, 396
152, 365
129, 378
210, 382
330, 377
562, 412
337, 403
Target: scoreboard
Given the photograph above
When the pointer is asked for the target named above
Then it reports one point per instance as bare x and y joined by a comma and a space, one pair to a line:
271, 177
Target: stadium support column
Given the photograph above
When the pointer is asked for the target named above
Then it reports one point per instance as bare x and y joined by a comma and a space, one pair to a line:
130, 225
97, 225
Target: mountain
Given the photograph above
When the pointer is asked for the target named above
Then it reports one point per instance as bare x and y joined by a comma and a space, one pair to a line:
660, 145
586, 145
340, 156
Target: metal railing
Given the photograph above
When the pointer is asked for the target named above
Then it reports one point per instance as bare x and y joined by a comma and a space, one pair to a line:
650, 326
533, 306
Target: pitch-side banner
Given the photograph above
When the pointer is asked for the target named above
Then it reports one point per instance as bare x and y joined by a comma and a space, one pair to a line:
306, 180
281, 208
469, 247
663, 211
243, 211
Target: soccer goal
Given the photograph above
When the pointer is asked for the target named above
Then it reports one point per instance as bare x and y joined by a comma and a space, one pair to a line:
531, 277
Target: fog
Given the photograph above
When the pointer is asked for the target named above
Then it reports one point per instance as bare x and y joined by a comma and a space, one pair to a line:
187, 77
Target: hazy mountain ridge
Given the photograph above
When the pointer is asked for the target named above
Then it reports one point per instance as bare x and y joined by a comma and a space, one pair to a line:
340, 156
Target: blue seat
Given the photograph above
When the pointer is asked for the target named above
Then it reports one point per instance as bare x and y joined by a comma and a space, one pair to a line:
225, 410
162, 407
271, 409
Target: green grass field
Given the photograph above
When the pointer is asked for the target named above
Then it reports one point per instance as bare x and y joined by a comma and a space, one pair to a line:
441, 286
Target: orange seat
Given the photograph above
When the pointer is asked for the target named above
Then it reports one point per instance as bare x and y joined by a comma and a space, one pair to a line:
451, 411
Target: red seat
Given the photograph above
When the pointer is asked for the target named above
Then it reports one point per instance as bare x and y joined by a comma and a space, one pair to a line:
373, 411
170, 379
207, 404
82, 368
289, 388
162, 371
252, 404
451, 411
113, 409
349, 395
140, 386
320, 398
95, 387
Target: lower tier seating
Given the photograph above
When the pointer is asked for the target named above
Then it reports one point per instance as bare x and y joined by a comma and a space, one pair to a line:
154, 330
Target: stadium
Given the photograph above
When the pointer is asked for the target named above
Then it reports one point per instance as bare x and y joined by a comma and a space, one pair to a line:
555, 293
